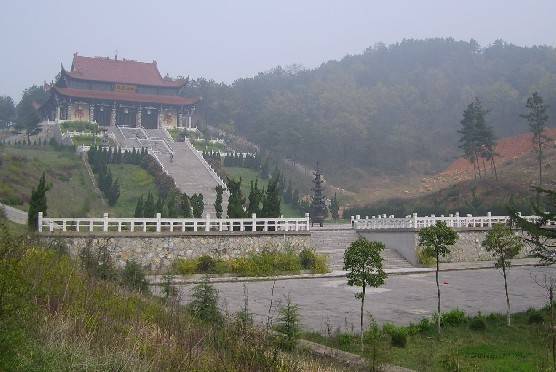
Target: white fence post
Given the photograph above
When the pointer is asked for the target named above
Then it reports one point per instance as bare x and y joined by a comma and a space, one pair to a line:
307, 221
489, 218
105, 223
414, 220
207, 222
158, 222
39, 221
254, 222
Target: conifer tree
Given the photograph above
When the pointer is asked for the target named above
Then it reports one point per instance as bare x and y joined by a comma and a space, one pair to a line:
114, 193
139, 208
334, 207
236, 200
198, 205
159, 205
149, 206
38, 203
318, 205
272, 199
255, 198
218, 202
537, 119
185, 206
171, 208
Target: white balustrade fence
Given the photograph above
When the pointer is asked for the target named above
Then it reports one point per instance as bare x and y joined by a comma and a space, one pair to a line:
159, 224
416, 222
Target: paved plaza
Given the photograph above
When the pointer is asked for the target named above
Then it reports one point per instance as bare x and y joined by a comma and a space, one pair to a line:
328, 303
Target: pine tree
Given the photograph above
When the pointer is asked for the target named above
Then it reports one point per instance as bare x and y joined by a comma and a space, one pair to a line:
139, 213
38, 203
149, 206
255, 199
236, 200
198, 205
537, 119
159, 205
171, 208
185, 206
272, 199
114, 193
334, 207
318, 205
218, 202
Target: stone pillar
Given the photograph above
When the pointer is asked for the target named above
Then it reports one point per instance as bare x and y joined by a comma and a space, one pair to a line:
139, 116
159, 118
189, 120
70, 112
179, 119
113, 115
91, 113
57, 112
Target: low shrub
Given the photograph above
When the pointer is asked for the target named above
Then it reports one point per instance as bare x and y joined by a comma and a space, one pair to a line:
477, 324
534, 316
425, 259
345, 341
185, 266
133, 277
308, 259
206, 265
453, 318
398, 335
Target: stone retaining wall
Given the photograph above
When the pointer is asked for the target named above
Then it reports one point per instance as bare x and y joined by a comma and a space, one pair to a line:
468, 248
157, 252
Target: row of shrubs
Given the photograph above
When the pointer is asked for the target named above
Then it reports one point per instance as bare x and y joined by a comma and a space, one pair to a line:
398, 335
78, 126
266, 263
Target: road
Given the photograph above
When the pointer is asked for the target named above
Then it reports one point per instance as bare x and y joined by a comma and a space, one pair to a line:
328, 303
14, 214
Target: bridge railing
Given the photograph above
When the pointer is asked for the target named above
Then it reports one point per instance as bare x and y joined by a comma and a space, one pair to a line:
415, 222
159, 224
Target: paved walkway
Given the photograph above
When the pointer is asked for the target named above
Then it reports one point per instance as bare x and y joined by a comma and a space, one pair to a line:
329, 302
14, 214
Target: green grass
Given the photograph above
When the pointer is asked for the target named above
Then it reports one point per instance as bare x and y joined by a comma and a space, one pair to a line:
201, 145
85, 140
134, 181
71, 192
247, 175
521, 347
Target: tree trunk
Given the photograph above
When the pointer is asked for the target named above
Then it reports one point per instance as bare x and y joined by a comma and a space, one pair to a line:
494, 167
540, 162
362, 306
508, 316
438, 294
551, 297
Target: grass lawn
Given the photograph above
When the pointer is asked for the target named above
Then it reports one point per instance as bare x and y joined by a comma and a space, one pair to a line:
134, 182
521, 347
248, 175
201, 145
71, 192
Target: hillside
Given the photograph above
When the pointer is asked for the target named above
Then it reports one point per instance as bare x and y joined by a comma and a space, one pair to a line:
391, 111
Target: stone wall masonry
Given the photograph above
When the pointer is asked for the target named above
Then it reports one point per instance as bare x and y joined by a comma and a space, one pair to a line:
157, 252
468, 248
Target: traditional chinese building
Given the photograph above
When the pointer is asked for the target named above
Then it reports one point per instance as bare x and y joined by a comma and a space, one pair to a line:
119, 92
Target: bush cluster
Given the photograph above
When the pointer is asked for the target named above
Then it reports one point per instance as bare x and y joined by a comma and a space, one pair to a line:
266, 263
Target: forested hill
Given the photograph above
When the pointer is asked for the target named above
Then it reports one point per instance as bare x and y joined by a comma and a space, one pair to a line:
391, 109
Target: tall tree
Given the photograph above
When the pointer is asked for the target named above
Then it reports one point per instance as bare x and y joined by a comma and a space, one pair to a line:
272, 198
218, 202
198, 205
28, 117
38, 202
504, 245
7, 111
255, 198
436, 241
185, 205
363, 263
149, 208
139, 208
537, 118
318, 204
335, 207
236, 199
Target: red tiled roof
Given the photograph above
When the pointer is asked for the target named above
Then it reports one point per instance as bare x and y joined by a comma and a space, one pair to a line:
119, 71
127, 97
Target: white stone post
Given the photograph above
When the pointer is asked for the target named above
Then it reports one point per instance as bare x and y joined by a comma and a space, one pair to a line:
414, 220
58, 113
39, 221
105, 223
158, 216
207, 222
91, 113
254, 222
489, 217
307, 221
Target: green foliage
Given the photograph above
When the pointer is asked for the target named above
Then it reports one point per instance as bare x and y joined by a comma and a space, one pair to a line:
197, 205
436, 240
236, 200
307, 258
477, 324
96, 261
38, 203
206, 265
204, 303
535, 316
453, 318
255, 198
537, 118
503, 244
139, 209
79, 126
28, 117
335, 207
288, 325
133, 277
363, 262
272, 198
7, 111
218, 202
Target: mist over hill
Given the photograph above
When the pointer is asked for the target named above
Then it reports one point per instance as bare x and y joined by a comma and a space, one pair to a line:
390, 110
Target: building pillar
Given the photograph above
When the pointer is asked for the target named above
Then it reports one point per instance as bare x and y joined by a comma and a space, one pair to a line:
189, 120
179, 119
57, 112
91, 113
139, 117
70, 112
159, 118
113, 115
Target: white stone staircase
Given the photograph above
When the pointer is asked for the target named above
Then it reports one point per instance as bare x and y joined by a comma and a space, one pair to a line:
190, 172
333, 240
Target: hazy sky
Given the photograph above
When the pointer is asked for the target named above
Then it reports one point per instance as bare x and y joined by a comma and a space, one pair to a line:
225, 39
